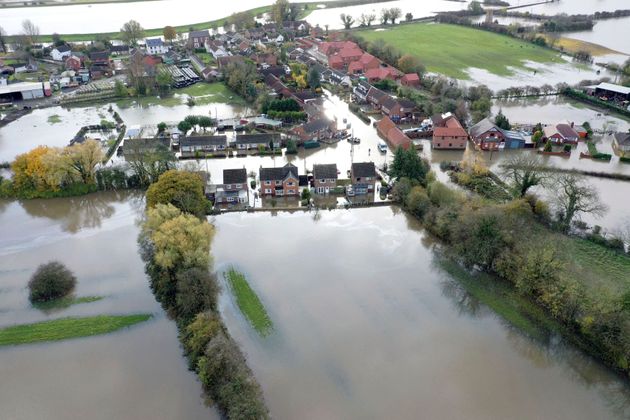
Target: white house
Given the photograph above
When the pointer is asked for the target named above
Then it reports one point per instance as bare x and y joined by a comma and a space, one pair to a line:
61, 53
155, 46
216, 50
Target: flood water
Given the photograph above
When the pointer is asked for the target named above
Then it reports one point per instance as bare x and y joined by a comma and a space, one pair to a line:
368, 325
135, 373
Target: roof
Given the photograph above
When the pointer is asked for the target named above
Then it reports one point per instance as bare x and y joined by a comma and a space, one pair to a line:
513, 135
63, 48
566, 131
411, 77
99, 55
376, 93
316, 125
256, 138
623, 139
481, 127
393, 134
203, 141
235, 176
120, 48
20, 87
363, 169
154, 42
325, 171
276, 174
450, 132
199, 34
614, 88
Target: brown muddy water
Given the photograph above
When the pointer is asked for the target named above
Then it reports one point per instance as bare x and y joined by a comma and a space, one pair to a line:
369, 326
136, 373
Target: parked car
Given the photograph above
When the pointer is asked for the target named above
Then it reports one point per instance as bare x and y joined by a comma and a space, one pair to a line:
382, 147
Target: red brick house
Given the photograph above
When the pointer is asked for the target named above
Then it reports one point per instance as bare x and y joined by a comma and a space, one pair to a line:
392, 134
335, 62
450, 135
561, 134
382, 73
411, 80
73, 63
278, 182
325, 178
198, 39
486, 135
397, 109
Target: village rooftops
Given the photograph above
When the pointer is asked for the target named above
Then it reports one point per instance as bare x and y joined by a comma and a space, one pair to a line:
363, 170
235, 176
154, 42
278, 174
325, 171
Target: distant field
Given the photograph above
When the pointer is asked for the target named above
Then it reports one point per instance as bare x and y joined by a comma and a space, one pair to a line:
451, 49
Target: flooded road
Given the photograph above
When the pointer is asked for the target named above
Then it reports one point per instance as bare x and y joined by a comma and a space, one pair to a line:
135, 373
368, 325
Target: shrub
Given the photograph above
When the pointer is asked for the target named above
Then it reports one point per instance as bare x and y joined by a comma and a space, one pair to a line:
418, 202
51, 281
196, 292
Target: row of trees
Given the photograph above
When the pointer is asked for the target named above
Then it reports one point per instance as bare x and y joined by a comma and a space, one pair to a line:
175, 245
390, 15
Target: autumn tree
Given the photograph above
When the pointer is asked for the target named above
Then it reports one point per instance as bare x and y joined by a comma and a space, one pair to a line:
169, 33
283, 11
83, 158
574, 196
131, 32
410, 64
184, 190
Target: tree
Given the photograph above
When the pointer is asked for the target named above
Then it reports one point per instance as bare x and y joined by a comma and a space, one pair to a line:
407, 164
280, 11
169, 33
184, 190
196, 292
50, 281
161, 127
193, 120
475, 7
409, 17
205, 122
131, 32
163, 79
537, 137
3, 41
314, 78
83, 159
120, 90
347, 20
394, 13
502, 121
30, 31
410, 64
56, 39
385, 15
524, 172
148, 165
184, 127
417, 202
574, 196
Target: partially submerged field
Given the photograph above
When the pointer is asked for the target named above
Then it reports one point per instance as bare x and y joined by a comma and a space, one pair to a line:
451, 49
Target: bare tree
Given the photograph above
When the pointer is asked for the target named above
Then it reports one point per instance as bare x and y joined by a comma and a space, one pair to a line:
371, 17
131, 32
347, 20
385, 14
30, 31
574, 196
524, 172
394, 13
3, 43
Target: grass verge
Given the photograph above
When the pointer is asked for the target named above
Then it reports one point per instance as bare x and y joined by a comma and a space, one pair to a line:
451, 49
66, 302
248, 302
66, 328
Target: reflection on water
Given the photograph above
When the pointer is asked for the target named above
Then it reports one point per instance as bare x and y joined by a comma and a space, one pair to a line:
136, 373
367, 326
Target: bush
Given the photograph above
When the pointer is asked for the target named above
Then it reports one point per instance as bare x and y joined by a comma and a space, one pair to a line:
418, 202
184, 190
51, 281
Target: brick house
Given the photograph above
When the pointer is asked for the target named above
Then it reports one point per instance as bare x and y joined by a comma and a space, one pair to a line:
278, 182
376, 97
394, 136
397, 109
197, 39
189, 146
73, 63
411, 80
363, 177
449, 135
325, 178
382, 73
561, 134
316, 129
486, 135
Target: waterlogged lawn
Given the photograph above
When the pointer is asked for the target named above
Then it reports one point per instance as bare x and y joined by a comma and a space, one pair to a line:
54, 119
248, 302
203, 94
451, 49
66, 302
66, 328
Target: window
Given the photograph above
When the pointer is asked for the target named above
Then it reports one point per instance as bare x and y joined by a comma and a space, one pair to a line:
239, 186
267, 191
267, 182
290, 184
450, 145
322, 181
278, 182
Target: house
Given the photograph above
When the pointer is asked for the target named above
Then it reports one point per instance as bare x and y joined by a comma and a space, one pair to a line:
73, 63
449, 134
561, 134
278, 182
316, 129
61, 52
365, 62
223, 62
234, 188
268, 59
411, 80
155, 46
376, 97
394, 135
195, 145
621, 142
197, 39
216, 49
100, 58
325, 178
382, 73
210, 74
256, 141
363, 177
397, 109
361, 91
119, 49
337, 77
486, 135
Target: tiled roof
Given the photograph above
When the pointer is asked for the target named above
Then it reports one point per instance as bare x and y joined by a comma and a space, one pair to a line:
278, 174
363, 169
325, 171
203, 141
235, 176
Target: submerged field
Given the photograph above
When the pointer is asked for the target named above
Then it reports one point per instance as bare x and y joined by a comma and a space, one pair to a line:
451, 49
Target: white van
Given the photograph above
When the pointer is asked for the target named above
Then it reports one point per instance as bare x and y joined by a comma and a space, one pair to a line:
382, 147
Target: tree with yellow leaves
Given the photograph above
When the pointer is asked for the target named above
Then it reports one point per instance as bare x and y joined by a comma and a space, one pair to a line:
83, 158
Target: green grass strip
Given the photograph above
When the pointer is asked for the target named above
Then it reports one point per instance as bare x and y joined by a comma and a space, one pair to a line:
66, 302
248, 302
66, 328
